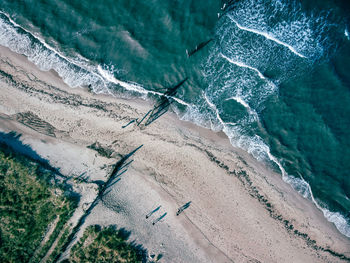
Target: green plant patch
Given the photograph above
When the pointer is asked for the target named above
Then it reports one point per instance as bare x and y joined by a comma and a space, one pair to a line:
32, 211
106, 244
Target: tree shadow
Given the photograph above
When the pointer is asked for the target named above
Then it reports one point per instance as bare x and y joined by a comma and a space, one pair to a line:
125, 235
11, 145
11, 142
116, 173
163, 104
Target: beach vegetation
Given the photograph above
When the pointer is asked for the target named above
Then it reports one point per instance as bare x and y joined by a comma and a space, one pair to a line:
32, 210
106, 244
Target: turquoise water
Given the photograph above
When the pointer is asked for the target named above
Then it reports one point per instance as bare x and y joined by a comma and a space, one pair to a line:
275, 78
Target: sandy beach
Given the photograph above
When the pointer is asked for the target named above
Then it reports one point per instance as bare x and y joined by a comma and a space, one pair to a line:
241, 210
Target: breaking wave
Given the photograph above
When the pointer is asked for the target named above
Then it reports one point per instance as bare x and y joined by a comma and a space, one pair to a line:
252, 54
250, 57
75, 72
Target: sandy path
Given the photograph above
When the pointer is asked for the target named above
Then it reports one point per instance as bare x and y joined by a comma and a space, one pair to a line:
46, 238
241, 211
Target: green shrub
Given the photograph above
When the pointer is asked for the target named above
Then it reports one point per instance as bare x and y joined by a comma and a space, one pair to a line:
107, 244
28, 204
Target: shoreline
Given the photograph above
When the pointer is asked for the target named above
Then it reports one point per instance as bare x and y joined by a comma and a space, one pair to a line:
261, 217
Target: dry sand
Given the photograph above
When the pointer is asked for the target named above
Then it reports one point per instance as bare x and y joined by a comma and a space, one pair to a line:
241, 211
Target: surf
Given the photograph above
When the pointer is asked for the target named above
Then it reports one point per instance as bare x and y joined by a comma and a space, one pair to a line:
300, 41
245, 77
268, 36
75, 72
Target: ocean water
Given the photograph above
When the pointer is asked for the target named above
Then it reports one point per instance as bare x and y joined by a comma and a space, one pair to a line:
275, 78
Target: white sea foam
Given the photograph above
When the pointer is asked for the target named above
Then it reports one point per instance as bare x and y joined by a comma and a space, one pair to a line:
78, 72
285, 23
338, 220
304, 188
127, 85
132, 86
221, 126
75, 72
245, 105
346, 33
240, 64
261, 151
267, 36
301, 35
241, 101
256, 146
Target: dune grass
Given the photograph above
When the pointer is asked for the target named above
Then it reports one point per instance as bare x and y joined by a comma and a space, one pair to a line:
28, 204
106, 244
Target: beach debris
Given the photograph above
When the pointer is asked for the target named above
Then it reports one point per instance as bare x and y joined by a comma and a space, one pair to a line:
159, 218
182, 208
130, 122
83, 178
36, 123
102, 150
198, 47
153, 211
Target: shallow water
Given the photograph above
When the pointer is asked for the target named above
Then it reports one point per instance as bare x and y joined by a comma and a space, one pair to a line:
275, 78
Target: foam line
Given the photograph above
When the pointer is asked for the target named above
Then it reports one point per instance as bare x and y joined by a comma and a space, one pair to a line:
240, 101
240, 64
244, 104
134, 86
231, 123
267, 36
211, 105
127, 85
52, 49
103, 75
334, 217
42, 41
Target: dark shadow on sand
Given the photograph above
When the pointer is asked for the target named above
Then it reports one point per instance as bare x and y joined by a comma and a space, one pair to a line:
103, 187
12, 141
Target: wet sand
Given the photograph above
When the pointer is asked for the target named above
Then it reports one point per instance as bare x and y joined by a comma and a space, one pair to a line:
241, 211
